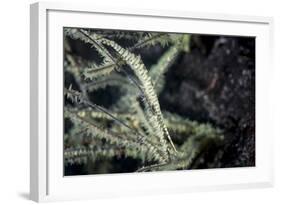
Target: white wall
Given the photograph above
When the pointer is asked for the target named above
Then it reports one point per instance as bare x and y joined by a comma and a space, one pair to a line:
14, 101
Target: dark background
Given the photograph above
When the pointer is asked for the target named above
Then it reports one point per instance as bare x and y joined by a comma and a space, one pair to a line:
214, 82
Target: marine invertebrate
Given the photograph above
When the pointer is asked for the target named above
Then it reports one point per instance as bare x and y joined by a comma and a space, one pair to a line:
134, 125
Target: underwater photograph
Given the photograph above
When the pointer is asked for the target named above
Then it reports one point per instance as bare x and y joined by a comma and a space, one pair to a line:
142, 101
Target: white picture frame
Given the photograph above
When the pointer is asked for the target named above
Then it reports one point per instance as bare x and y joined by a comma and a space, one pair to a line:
47, 182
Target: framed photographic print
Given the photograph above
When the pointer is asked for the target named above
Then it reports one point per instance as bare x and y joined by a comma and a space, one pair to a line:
128, 101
